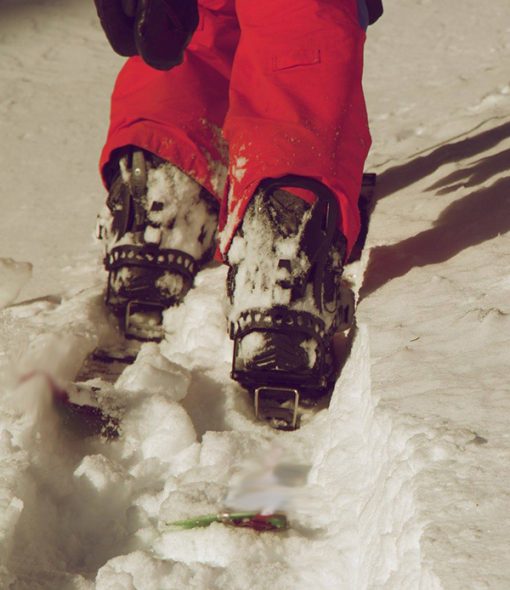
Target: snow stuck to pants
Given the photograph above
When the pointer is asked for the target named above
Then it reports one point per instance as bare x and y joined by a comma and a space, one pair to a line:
84, 513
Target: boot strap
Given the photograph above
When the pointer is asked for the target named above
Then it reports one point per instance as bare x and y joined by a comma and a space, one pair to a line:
175, 261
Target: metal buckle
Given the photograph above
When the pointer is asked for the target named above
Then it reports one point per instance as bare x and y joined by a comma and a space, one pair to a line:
269, 405
131, 330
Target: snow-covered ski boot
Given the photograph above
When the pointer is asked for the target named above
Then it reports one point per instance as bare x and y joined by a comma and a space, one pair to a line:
159, 227
288, 299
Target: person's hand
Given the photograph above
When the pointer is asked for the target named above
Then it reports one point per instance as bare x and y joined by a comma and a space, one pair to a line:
156, 30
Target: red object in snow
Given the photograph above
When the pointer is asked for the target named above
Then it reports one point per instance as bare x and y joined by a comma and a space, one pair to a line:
280, 79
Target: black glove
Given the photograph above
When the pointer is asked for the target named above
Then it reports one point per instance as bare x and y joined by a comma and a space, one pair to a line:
375, 10
156, 30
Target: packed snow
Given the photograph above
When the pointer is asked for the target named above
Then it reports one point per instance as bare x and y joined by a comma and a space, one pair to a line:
402, 483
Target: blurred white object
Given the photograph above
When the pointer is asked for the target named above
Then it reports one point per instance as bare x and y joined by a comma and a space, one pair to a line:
268, 485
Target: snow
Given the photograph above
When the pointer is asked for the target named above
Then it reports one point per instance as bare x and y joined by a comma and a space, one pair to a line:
256, 254
13, 277
408, 485
155, 372
238, 168
183, 210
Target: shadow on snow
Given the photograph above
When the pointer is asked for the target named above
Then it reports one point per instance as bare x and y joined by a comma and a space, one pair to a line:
473, 219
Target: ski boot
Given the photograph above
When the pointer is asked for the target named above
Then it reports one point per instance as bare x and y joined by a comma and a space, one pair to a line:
159, 228
288, 299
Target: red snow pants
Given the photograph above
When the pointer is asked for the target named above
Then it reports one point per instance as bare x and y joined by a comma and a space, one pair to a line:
267, 88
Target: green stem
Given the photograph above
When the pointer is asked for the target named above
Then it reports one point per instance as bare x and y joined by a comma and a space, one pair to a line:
277, 521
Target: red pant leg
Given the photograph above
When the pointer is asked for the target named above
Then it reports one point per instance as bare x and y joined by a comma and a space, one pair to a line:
296, 102
179, 114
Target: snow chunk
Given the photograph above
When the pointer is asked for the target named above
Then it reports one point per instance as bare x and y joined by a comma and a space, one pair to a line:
200, 327
171, 283
99, 472
141, 571
159, 428
310, 347
154, 373
252, 345
59, 354
32, 403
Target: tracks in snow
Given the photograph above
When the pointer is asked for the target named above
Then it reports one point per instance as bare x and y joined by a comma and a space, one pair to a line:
78, 508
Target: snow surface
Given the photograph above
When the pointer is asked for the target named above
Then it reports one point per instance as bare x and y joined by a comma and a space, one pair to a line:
13, 277
409, 468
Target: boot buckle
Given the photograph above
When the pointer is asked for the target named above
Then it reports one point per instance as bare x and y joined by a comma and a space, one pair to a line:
277, 405
151, 328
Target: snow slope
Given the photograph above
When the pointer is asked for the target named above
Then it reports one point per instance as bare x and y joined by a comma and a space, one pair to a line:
408, 484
